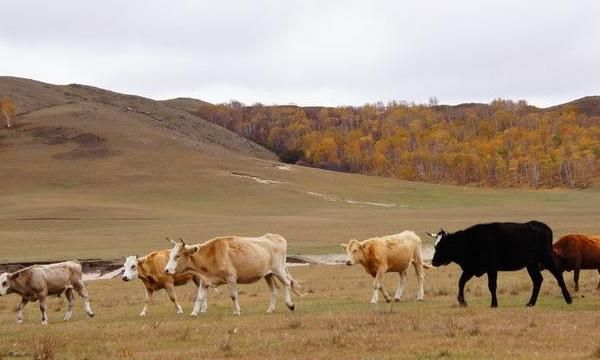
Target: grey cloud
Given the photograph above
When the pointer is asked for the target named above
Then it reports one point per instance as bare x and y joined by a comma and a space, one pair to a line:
311, 52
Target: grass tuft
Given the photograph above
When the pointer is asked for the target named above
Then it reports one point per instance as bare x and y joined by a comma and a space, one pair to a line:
45, 348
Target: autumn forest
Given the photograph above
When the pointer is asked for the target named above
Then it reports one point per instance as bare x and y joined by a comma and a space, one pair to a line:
501, 144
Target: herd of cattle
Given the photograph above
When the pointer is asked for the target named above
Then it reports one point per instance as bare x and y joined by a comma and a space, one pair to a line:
480, 249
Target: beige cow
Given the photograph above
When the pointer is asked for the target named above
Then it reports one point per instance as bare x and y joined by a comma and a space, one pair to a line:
391, 253
150, 269
40, 281
231, 260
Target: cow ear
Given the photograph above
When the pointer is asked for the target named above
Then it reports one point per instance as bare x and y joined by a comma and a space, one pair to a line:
344, 246
137, 256
14, 276
194, 249
430, 234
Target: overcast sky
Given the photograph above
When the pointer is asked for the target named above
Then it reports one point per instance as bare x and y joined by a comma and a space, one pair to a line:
310, 52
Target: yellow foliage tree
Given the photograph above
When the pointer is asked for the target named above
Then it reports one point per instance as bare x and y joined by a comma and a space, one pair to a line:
7, 108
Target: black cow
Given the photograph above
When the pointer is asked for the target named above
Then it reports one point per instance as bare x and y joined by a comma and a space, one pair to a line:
489, 248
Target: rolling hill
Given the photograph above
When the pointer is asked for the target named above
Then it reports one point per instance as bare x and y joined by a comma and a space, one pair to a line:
89, 173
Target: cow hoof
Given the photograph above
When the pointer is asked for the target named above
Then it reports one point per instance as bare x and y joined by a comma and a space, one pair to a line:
463, 304
397, 300
569, 300
19, 322
529, 304
91, 314
270, 311
420, 300
194, 315
142, 314
44, 323
388, 300
291, 307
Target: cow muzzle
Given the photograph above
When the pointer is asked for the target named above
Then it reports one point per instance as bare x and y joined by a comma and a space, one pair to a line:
125, 278
349, 263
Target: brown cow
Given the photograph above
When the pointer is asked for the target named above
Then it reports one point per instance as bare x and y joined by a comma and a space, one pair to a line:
40, 281
150, 269
235, 260
577, 251
391, 253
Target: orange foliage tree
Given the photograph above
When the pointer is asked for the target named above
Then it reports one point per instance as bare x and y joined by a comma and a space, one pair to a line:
502, 144
7, 108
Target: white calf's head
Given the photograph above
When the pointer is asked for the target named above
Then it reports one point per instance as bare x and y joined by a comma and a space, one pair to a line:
130, 271
353, 252
5, 282
179, 256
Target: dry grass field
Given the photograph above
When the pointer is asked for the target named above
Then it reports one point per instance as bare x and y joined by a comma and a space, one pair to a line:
334, 320
87, 173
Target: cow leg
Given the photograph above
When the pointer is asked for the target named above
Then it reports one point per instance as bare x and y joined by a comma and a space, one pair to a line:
200, 299
401, 283
420, 280
82, 291
232, 283
20, 310
464, 277
70, 300
537, 279
576, 278
548, 262
598, 287
271, 283
43, 307
170, 288
147, 300
378, 286
282, 275
492, 283
198, 283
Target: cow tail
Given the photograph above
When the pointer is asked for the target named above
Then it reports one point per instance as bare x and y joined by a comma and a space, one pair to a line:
296, 285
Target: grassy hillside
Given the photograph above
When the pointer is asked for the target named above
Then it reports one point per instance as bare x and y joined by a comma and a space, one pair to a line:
82, 176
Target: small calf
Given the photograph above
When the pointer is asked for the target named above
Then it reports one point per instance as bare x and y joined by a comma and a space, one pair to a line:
391, 253
40, 281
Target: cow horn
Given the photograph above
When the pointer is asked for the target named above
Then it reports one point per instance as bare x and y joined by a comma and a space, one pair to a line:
432, 235
170, 240
182, 241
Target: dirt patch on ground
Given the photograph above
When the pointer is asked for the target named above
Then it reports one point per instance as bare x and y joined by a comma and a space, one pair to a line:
89, 145
89, 266
258, 179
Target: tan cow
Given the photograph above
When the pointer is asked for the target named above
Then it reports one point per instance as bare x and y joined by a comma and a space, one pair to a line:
231, 260
40, 281
150, 269
391, 253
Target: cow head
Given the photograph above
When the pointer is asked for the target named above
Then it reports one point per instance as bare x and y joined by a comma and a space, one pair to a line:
443, 253
353, 251
6, 281
130, 271
179, 256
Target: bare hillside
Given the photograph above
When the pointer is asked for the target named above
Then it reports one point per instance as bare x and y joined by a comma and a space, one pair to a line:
60, 113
